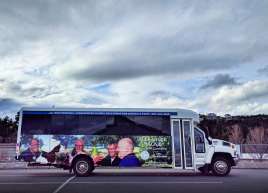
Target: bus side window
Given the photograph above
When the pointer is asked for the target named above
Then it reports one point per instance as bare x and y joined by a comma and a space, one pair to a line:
36, 124
199, 141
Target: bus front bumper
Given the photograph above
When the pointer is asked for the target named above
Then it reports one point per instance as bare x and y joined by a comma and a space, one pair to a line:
236, 160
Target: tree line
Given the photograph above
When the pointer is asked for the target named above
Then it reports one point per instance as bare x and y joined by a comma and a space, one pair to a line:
8, 129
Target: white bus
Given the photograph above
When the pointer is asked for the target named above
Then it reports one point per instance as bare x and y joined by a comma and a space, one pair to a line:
81, 139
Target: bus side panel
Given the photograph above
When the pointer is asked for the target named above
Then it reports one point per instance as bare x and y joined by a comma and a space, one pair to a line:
126, 151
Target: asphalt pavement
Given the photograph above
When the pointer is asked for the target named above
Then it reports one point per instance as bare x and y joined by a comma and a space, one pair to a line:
59, 181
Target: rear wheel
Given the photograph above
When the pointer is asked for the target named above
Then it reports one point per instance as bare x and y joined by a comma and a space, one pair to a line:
221, 166
82, 167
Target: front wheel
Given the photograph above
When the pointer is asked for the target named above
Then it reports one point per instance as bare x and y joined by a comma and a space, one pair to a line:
82, 167
221, 166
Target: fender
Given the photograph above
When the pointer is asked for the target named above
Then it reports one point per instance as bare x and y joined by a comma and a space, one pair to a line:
210, 154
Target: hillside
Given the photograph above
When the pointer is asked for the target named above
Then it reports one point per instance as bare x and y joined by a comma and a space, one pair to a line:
237, 129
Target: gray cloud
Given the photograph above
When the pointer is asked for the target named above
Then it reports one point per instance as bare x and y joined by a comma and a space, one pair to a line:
8, 104
264, 70
93, 101
219, 81
254, 91
190, 39
164, 94
16, 88
212, 43
255, 94
135, 67
23, 23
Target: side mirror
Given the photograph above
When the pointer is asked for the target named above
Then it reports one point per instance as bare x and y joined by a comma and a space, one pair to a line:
209, 140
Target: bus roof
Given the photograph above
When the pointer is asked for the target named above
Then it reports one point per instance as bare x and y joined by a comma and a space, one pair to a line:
180, 113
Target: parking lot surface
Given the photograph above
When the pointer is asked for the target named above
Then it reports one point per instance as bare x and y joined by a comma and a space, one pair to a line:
59, 181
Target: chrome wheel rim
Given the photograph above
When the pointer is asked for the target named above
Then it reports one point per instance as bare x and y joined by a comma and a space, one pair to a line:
221, 167
82, 167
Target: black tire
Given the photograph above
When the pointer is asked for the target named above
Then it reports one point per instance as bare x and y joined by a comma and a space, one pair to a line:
83, 167
221, 166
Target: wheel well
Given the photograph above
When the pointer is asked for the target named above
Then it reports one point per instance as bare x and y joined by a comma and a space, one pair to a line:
82, 156
225, 155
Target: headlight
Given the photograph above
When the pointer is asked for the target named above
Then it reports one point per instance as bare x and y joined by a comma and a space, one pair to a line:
225, 143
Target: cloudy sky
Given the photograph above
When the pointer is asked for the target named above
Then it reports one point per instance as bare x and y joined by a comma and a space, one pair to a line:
208, 56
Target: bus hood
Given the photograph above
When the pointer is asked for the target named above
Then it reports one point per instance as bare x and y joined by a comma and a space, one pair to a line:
219, 142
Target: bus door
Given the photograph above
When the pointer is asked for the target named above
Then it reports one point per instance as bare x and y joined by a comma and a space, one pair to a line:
187, 144
176, 143
200, 146
182, 144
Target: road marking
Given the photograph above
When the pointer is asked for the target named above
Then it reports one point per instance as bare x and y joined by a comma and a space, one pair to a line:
28, 183
109, 182
32, 175
64, 184
153, 182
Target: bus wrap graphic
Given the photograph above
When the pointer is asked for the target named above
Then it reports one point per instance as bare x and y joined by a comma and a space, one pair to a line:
105, 150
79, 139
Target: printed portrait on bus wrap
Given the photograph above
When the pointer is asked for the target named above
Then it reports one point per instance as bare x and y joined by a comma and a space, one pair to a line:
35, 148
119, 153
126, 153
131, 151
111, 159
31, 151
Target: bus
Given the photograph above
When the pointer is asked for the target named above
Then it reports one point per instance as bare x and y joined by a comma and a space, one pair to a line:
82, 139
